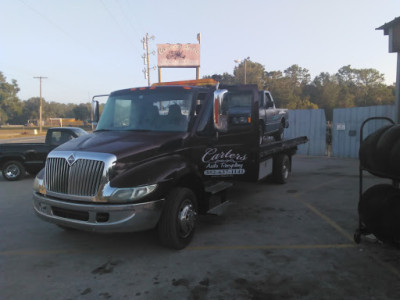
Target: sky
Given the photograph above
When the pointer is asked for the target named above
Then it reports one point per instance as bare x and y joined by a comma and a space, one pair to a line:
91, 47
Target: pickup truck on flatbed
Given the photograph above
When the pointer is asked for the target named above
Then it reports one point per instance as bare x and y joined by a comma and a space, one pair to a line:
159, 156
16, 158
273, 120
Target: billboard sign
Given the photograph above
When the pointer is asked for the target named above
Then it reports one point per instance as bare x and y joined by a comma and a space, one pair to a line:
178, 55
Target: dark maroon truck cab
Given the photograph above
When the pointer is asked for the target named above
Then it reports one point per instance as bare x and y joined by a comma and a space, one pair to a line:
157, 157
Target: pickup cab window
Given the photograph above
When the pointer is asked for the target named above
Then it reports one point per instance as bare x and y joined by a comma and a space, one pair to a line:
269, 103
60, 137
148, 110
237, 106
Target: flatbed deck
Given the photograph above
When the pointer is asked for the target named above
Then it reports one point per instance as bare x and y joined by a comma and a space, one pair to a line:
269, 149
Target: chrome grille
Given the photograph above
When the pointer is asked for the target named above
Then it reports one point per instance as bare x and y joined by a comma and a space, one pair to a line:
81, 179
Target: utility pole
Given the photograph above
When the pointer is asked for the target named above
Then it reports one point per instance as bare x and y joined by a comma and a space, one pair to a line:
40, 108
146, 57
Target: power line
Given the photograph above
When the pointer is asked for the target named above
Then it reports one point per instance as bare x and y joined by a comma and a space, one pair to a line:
55, 25
127, 18
118, 24
133, 16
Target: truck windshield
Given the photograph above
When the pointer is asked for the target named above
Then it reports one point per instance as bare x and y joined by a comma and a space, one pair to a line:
149, 110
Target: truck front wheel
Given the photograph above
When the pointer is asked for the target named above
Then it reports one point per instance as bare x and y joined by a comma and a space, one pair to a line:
13, 170
178, 220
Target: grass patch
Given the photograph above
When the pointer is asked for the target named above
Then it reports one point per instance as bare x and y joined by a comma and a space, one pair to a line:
7, 133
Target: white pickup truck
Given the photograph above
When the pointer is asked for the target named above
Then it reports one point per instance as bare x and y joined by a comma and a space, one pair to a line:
272, 121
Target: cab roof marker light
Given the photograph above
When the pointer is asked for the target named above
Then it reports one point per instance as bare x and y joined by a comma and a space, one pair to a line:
187, 88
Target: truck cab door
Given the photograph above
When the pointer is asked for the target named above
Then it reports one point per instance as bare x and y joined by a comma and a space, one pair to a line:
231, 149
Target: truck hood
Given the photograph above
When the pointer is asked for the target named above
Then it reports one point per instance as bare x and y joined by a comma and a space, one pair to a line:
130, 145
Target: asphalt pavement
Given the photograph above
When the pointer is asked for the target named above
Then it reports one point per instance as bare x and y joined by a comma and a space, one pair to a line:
292, 241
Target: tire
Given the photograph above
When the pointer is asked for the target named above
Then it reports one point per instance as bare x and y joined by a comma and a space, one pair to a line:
379, 211
357, 237
178, 220
13, 170
281, 168
261, 132
368, 155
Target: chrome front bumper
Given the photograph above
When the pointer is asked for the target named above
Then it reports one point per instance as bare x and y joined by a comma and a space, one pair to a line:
99, 217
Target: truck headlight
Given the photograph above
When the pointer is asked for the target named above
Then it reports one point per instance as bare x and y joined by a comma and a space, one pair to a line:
132, 194
38, 184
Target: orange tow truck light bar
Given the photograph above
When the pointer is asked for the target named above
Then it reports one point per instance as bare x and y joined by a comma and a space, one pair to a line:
198, 82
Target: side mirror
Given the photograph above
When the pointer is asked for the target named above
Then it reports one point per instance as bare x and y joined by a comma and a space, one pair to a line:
95, 111
219, 113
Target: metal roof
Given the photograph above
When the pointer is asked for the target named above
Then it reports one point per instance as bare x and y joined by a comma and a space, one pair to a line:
385, 27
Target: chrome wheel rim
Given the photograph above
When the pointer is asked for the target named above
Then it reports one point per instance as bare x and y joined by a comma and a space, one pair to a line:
12, 171
285, 170
186, 218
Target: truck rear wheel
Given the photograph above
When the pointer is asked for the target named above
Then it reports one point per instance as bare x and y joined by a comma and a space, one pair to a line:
13, 170
281, 168
178, 220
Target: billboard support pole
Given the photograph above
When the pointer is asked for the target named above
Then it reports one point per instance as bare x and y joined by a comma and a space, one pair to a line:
159, 74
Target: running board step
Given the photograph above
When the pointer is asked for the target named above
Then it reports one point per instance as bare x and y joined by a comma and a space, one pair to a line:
218, 187
219, 209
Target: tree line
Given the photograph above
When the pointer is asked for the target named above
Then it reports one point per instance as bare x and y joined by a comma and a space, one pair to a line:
292, 88
295, 89
14, 111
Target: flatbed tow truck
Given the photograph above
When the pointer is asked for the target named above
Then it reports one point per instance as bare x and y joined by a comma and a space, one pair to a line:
160, 156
